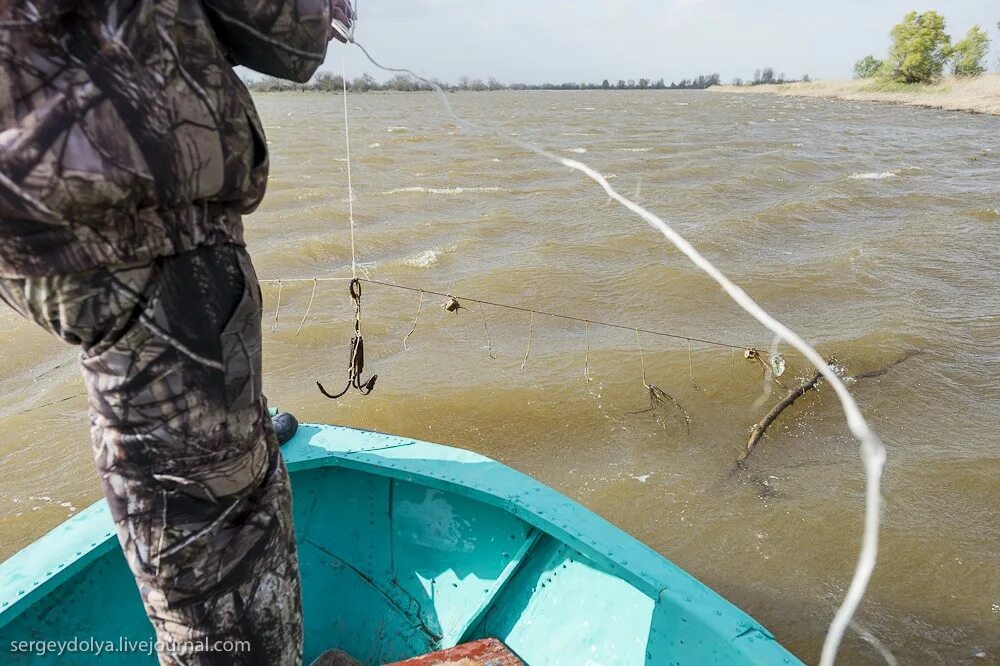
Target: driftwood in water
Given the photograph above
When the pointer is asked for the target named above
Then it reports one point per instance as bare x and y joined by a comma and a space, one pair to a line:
878, 372
757, 432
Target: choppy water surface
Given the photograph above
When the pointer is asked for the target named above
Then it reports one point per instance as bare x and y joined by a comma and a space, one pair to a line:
873, 231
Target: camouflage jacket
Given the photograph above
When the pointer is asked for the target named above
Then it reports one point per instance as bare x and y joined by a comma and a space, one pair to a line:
124, 132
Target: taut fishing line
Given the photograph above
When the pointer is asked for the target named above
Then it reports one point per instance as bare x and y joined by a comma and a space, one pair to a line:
872, 451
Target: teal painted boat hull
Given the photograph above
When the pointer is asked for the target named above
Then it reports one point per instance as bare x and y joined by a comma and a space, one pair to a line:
406, 547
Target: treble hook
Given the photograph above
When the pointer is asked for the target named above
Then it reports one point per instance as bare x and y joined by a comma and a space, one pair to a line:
356, 354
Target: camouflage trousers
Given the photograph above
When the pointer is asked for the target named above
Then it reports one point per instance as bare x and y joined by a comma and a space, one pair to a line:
171, 355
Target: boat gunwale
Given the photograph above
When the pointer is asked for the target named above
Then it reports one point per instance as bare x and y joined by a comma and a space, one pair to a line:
415, 461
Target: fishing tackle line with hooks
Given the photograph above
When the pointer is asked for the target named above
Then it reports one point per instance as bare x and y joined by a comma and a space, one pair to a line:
587, 321
872, 450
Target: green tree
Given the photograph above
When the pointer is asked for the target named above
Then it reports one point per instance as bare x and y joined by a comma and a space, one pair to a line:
971, 52
867, 67
327, 82
920, 48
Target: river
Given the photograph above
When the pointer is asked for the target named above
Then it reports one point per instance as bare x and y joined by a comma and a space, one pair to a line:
874, 231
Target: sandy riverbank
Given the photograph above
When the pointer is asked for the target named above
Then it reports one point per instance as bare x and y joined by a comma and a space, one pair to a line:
978, 95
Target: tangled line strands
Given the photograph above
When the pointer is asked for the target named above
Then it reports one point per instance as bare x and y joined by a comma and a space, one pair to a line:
872, 451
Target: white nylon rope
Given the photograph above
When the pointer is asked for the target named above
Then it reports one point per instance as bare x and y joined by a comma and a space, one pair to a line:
872, 451
350, 183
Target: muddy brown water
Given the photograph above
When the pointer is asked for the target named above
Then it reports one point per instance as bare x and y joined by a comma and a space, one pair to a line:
871, 230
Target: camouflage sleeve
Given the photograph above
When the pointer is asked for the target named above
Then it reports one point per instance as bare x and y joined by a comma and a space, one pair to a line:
283, 38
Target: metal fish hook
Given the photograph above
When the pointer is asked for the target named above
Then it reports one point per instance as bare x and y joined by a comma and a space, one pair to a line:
356, 355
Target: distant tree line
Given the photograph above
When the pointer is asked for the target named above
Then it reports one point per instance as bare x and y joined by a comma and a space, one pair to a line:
328, 82
921, 51
765, 75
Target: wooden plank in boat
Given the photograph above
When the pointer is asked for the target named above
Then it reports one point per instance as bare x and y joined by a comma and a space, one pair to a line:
484, 652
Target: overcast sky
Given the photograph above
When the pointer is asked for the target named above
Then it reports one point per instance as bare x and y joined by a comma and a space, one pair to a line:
589, 40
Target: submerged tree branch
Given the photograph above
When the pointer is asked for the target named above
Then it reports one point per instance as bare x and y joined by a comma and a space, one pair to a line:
757, 432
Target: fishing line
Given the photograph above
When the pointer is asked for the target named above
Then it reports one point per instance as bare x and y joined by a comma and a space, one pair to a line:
587, 321
277, 308
642, 360
658, 398
312, 295
527, 347
866, 635
691, 369
872, 451
420, 305
489, 338
49, 404
556, 315
350, 183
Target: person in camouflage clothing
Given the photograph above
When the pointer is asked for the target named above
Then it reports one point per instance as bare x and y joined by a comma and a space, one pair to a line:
129, 150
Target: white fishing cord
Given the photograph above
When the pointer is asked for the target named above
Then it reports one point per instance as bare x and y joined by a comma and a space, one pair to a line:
872, 450
867, 636
347, 142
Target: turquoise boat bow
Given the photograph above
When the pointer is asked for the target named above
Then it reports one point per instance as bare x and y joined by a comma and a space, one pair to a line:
408, 547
